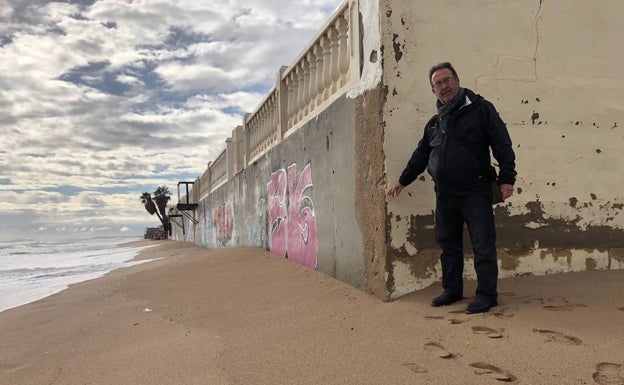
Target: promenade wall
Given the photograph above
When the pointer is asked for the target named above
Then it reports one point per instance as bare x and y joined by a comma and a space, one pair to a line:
304, 175
553, 70
285, 180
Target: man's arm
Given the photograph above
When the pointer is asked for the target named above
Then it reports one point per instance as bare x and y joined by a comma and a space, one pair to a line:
415, 166
500, 142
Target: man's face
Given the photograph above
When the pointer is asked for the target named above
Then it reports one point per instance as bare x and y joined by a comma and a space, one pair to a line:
444, 85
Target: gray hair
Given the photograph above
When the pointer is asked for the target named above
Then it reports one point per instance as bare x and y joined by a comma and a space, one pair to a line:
440, 66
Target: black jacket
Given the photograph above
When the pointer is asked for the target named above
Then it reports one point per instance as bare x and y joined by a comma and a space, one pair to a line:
463, 156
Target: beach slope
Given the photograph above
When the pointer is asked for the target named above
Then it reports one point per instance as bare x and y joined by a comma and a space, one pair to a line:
245, 316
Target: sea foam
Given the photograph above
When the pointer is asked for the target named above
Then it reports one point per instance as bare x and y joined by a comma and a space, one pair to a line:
31, 270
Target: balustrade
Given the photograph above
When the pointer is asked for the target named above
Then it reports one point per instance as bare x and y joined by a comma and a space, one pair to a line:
204, 183
218, 170
261, 127
321, 71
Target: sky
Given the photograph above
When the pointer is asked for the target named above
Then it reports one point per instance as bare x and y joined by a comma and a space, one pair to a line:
102, 100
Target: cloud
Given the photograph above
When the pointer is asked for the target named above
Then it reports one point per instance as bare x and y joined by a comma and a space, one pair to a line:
103, 100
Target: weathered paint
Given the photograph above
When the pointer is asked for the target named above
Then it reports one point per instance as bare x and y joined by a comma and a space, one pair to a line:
560, 94
370, 208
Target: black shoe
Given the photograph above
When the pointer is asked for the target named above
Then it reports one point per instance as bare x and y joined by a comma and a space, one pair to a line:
481, 305
445, 299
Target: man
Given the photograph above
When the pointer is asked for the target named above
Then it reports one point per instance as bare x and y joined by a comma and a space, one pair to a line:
455, 150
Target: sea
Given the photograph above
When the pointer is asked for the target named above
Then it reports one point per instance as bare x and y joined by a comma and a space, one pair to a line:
34, 269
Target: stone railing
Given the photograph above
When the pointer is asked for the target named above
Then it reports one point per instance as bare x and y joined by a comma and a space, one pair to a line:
204, 183
218, 171
321, 70
261, 127
320, 73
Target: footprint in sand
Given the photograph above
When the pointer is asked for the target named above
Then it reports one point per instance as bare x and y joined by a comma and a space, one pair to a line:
452, 321
488, 332
493, 371
565, 307
529, 299
500, 311
561, 304
8, 368
608, 374
414, 367
457, 320
438, 350
553, 336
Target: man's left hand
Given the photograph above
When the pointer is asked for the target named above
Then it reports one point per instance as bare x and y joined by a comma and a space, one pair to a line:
506, 190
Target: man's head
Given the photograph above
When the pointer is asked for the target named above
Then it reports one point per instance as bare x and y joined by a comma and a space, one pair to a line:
444, 82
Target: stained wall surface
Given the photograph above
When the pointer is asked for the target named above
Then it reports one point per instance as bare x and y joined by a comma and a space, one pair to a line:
553, 70
297, 200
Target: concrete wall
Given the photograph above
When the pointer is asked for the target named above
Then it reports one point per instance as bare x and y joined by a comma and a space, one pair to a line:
297, 200
554, 71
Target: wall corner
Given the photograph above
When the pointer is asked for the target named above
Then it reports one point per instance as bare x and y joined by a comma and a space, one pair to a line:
370, 202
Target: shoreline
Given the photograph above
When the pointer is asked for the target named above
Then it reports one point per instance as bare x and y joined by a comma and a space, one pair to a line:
20, 294
243, 316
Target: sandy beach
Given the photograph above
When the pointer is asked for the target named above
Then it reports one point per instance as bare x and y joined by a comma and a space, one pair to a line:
244, 316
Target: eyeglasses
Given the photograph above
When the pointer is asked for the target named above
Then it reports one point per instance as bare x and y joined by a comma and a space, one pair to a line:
442, 82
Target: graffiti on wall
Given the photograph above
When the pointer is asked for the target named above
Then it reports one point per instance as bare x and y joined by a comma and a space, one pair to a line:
292, 224
223, 222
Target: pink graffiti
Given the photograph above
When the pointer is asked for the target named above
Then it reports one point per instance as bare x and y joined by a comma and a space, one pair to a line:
292, 226
223, 220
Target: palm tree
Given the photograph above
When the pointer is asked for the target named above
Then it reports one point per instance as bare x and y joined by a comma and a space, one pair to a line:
162, 197
158, 205
147, 201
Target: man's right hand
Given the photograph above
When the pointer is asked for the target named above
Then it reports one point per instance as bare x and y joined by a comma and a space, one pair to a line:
395, 190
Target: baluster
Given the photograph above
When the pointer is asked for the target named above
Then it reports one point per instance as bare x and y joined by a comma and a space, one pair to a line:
255, 128
274, 117
318, 52
252, 139
268, 121
289, 108
300, 98
264, 126
312, 82
256, 133
306, 86
335, 72
295, 82
250, 132
260, 128
269, 133
343, 62
326, 66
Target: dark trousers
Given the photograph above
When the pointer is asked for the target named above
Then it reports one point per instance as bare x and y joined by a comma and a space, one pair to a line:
476, 212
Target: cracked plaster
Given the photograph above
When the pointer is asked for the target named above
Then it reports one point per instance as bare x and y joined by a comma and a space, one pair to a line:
560, 95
